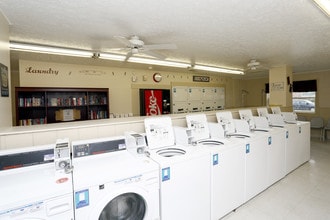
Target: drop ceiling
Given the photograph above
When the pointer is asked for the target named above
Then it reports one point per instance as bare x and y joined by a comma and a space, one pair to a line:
216, 33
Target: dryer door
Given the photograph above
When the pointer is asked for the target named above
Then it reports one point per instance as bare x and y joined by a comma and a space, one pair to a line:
127, 206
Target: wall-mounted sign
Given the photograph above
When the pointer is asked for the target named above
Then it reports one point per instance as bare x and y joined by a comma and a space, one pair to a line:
4, 80
277, 86
201, 78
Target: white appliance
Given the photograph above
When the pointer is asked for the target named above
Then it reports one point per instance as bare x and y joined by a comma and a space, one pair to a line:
184, 173
32, 186
256, 176
276, 109
297, 136
112, 183
276, 148
227, 164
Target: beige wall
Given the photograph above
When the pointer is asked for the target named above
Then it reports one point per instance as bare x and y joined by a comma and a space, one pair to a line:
254, 87
255, 92
5, 102
279, 94
123, 91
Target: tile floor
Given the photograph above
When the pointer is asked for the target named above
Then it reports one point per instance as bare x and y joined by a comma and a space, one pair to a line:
303, 194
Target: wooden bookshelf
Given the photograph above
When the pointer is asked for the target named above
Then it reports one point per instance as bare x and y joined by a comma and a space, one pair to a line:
44, 105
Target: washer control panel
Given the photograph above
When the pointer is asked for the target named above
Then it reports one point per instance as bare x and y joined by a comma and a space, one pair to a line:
62, 155
97, 147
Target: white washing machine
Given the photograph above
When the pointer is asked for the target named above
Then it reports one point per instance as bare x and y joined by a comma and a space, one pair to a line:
297, 139
256, 152
227, 164
184, 173
276, 146
302, 130
111, 183
33, 187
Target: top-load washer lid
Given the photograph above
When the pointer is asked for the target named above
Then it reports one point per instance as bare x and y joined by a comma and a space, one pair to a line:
226, 120
198, 125
276, 109
159, 132
242, 129
246, 114
289, 117
200, 130
261, 123
263, 112
276, 120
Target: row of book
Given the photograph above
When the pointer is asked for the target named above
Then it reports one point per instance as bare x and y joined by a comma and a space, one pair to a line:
31, 102
68, 101
97, 100
35, 121
98, 114
59, 101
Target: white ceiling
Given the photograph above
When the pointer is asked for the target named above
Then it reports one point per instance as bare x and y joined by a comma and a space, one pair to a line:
219, 33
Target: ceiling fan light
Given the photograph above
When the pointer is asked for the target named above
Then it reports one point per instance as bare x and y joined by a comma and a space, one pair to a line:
253, 67
135, 50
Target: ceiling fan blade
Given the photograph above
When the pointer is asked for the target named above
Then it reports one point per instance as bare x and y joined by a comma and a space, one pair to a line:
128, 55
154, 54
123, 40
161, 47
119, 49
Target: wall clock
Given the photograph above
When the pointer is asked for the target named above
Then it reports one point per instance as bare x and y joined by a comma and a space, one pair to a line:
157, 77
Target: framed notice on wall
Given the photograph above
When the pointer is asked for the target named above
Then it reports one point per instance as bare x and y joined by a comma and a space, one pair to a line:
4, 80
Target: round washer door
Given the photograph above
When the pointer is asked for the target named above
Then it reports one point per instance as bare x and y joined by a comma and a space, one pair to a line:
126, 206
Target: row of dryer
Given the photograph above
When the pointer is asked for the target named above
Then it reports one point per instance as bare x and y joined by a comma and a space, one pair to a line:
201, 171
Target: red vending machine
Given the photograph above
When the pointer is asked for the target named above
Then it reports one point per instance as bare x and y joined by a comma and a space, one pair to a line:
155, 102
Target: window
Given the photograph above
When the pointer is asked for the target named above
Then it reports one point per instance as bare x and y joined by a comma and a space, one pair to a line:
303, 96
303, 101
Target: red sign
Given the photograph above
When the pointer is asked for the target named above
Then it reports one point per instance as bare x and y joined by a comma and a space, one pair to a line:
153, 102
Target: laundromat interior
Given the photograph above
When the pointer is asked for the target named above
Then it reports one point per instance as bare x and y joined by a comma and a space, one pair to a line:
164, 110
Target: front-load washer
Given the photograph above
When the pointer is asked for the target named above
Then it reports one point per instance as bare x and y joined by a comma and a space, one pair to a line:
111, 183
184, 173
227, 164
33, 186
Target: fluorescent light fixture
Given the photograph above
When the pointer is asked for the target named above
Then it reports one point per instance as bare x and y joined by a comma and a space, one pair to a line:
108, 56
324, 5
49, 50
84, 53
158, 62
217, 69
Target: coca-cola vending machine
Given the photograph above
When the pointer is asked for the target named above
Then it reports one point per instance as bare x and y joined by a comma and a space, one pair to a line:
155, 102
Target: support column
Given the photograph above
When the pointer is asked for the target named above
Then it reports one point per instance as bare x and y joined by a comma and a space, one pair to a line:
280, 87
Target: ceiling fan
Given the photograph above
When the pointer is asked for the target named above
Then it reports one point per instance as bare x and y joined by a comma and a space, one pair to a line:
255, 66
134, 45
